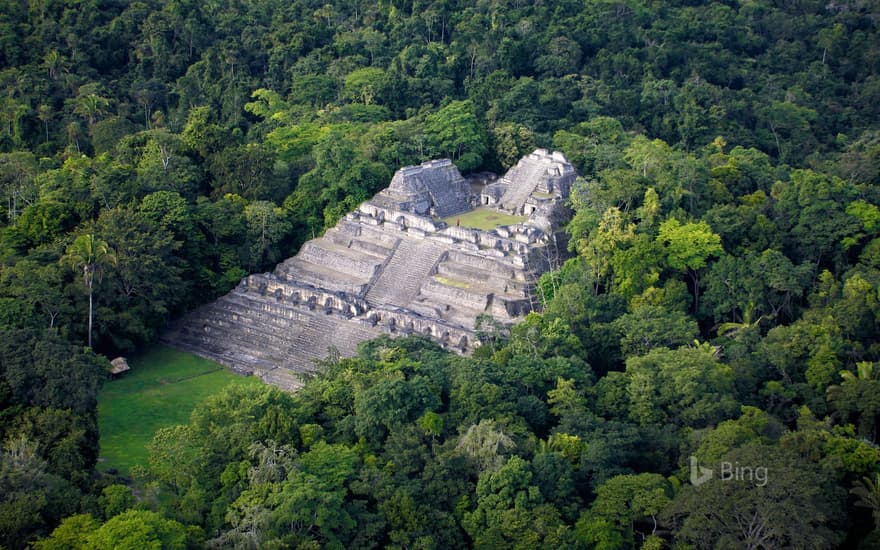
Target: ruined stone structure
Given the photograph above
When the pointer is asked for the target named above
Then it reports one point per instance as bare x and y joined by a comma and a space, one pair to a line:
391, 266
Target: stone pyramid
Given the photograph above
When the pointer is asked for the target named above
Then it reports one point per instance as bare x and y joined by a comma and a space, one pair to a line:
392, 266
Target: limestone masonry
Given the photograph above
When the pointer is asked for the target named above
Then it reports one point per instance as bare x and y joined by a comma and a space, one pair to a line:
392, 266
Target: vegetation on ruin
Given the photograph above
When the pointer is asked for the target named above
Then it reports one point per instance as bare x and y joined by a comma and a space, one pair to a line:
451, 282
483, 218
721, 300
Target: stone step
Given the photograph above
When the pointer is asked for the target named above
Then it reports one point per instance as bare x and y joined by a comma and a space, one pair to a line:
371, 248
522, 180
208, 349
303, 271
240, 352
340, 258
379, 235
440, 293
403, 274
475, 279
238, 322
455, 315
242, 329
284, 378
315, 340
227, 342
281, 315
496, 266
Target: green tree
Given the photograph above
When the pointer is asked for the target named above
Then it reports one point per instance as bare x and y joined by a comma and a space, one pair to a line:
867, 491
164, 165
562, 56
455, 132
299, 502
569, 405
31, 498
797, 507
267, 226
625, 506
201, 134
688, 247
649, 327
245, 170
18, 183
91, 255
790, 125
91, 106
686, 386
857, 397
485, 445
754, 426
511, 142
71, 534
647, 156
137, 529
511, 511
145, 283
45, 369
363, 85
391, 402
39, 285
612, 234
116, 499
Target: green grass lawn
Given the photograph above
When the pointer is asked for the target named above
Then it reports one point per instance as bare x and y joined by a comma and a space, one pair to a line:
483, 218
162, 388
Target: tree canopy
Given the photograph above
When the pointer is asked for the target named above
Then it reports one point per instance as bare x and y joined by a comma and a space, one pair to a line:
719, 299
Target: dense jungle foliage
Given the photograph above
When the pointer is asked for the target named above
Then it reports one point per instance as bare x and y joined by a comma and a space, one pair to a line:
721, 300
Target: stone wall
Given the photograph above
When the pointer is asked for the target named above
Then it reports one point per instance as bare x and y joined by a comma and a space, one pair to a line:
404, 322
364, 266
307, 295
433, 188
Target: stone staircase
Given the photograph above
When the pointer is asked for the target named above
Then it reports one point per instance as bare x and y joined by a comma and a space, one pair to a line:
449, 194
253, 333
314, 339
298, 269
404, 273
523, 180
226, 332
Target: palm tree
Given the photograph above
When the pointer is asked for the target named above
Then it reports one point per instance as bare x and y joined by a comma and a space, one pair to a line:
868, 492
44, 113
55, 63
91, 255
90, 107
857, 393
733, 328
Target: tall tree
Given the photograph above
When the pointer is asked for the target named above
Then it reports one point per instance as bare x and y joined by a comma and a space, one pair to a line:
688, 247
91, 255
867, 491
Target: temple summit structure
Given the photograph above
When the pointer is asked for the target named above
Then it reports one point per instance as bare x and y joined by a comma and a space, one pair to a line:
413, 259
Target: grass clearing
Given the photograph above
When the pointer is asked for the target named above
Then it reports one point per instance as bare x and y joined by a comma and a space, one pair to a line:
162, 388
483, 218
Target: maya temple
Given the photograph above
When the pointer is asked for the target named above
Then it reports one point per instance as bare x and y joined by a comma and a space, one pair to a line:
404, 262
